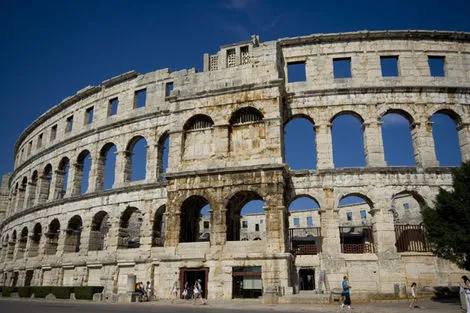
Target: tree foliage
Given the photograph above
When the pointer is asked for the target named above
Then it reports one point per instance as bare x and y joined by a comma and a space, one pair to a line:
448, 224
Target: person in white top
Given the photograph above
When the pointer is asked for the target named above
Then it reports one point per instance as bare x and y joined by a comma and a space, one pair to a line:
414, 297
465, 288
174, 290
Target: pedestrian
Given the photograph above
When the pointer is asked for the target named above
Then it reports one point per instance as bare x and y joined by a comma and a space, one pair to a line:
198, 292
414, 297
149, 291
346, 293
174, 290
185, 291
465, 288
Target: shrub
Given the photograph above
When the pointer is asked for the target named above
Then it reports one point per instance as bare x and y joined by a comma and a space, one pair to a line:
61, 292
86, 292
41, 291
24, 292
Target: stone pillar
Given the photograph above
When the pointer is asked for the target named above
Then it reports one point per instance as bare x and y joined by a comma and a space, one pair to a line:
324, 146
423, 144
42, 192
218, 225
151, 159
329, 222
122, 172
275, 226
97, 174
172, 227
20, 199
464, 140
175, 153
74, 183
373, 144
383, 230
221, 132
30, 195
57, 185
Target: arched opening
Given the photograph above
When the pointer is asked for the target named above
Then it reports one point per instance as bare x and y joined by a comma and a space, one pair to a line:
197, 138
22, 244
245, 216
158, 229
35, 240
82, 172
136, 157
409, 228
73, 234
52, 236
163, 150
446, 138
62, 177
304, 226
106, 167
191, 213
348, 140
299, 144
247, 133
397, 140
129, 229
355, 224
99, 231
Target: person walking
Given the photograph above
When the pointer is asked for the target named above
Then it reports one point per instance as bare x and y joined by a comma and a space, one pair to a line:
346, 293
149, 291
198, 292
465, 289
174, 290
414, 297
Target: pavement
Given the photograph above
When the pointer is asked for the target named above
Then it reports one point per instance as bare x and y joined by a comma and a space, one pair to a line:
251, 305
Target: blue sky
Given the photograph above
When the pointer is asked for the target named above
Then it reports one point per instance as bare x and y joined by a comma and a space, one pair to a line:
51, 49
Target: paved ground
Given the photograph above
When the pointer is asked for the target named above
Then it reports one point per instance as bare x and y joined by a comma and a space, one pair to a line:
233, 306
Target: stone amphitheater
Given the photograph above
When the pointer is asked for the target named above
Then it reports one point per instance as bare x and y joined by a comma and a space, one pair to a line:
217, 138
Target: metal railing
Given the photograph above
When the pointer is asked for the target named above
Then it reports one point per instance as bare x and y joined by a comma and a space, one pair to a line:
411, 238
356, 239
305, 241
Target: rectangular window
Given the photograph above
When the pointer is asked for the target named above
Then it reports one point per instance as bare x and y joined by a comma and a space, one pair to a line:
363, 214
296, 72
342, 68
309, 221
244, 55
261, 221
89, 115
53, 132
69, 125
436, 65
256, 227
113, 106
296, 221
39, 145
231, 58
389, 66
349, 216
406, 206
168, 89
30, 147
206, 224
245, 224
140, 97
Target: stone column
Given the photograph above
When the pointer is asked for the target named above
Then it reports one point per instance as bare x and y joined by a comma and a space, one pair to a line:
122, 172
74, 182
383, 230
42, 192
57, 185
423, 144
19, 199
221, 132
172, 227
463, 130
218, 225
329, 222
30, 195
97, 174
275, 225
324, 146
175, 152
373, 144
151, 159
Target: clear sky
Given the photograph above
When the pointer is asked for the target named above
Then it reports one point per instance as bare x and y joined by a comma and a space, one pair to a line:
52, 49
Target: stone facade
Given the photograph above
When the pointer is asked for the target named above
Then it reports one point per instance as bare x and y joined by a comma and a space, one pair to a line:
226, 148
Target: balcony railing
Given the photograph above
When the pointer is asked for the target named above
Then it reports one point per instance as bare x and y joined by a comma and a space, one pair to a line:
356, 239
411, 238
305, 241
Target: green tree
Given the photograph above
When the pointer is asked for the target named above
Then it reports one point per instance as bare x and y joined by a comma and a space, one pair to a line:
448, 224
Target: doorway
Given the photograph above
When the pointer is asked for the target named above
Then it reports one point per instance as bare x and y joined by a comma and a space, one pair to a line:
307, 279
28, 278
190, 275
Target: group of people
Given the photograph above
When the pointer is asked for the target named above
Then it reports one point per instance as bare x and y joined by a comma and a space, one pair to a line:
196, 291
142, 291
